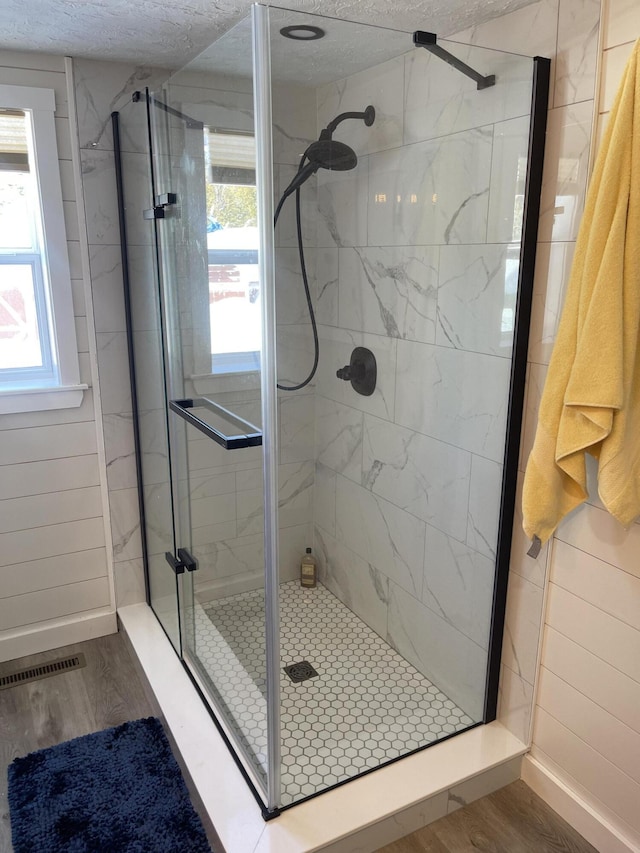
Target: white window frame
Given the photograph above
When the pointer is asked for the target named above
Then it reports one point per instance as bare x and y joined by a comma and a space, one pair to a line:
65, 389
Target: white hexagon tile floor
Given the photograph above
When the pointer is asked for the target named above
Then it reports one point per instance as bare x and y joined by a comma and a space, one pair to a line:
366, 706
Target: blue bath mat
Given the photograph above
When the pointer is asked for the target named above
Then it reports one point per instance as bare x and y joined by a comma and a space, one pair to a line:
116, 791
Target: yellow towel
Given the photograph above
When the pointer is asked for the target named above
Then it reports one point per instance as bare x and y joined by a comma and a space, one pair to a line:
591, 399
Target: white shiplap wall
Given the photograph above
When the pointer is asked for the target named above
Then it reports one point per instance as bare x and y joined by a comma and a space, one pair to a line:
54, 578
586, 739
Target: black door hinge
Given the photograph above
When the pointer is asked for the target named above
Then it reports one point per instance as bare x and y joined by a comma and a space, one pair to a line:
163, 201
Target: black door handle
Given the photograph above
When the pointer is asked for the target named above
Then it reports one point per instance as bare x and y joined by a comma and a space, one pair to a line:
190, 563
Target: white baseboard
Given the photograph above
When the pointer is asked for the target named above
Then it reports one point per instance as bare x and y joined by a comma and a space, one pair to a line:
53, 635
582, 816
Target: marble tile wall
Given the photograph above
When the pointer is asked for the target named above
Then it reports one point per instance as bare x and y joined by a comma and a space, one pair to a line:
420, 242
567, 32
227, 491
100, 89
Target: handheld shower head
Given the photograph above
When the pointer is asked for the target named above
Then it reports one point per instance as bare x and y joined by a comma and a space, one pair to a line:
332, 155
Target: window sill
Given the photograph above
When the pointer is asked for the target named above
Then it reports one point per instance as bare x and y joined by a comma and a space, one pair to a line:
41, 399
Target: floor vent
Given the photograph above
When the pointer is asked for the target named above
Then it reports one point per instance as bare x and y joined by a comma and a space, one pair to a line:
300, 671
35, 673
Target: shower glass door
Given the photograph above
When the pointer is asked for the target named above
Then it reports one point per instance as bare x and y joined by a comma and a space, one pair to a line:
206, 210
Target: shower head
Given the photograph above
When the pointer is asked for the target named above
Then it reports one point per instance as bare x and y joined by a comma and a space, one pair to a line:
332, 155
322, 154
326, 153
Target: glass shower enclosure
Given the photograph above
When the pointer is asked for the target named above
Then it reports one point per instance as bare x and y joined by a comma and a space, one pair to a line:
328, 234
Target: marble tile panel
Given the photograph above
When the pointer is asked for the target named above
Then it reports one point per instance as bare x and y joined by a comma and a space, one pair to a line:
153, 438
295, 355
326, 286
529, 31
339, 438
293, 121
113, 369
324, 499
129, 580
210, 534
295, 491
484, 506
286, 229
515, 704
125, 525
455, 396
389, 291
353, 581
336, 346
119, 451
440, 100
523, 623
477, 291
508, 173
565, 173
423, 476
107, 288
101, 88
211, 510
441, 653
291, 302
205, 455
380, 86
296, 422
100, 203
143, 285
577, 52
458, 585
138, 197
213, 484
233, 557
149, 371
431, 192
381, 534
158, 518
341, 213
553, 268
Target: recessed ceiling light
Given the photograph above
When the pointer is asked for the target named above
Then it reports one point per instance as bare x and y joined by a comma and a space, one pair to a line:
302, 32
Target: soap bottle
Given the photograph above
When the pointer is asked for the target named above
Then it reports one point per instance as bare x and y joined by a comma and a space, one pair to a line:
308, 570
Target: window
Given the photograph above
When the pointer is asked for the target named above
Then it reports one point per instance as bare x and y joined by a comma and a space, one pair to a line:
232, 244
38, 352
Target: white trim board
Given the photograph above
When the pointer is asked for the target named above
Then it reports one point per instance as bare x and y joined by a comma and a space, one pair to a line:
582, 816
374, 809
62, 632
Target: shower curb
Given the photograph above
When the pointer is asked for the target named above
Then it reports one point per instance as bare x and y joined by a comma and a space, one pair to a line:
369, 811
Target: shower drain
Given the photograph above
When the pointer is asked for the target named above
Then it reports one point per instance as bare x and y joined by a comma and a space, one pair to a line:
300, 671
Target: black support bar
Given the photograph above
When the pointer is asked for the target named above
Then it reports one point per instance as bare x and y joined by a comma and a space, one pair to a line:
430, 42
522, 322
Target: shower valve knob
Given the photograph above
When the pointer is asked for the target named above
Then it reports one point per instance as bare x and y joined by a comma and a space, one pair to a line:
361, 371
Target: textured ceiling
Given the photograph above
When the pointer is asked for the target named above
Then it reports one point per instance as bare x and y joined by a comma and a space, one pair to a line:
169, 33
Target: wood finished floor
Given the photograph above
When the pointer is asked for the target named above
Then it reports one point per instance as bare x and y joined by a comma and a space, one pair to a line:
105, 693
108, 692
511, 820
